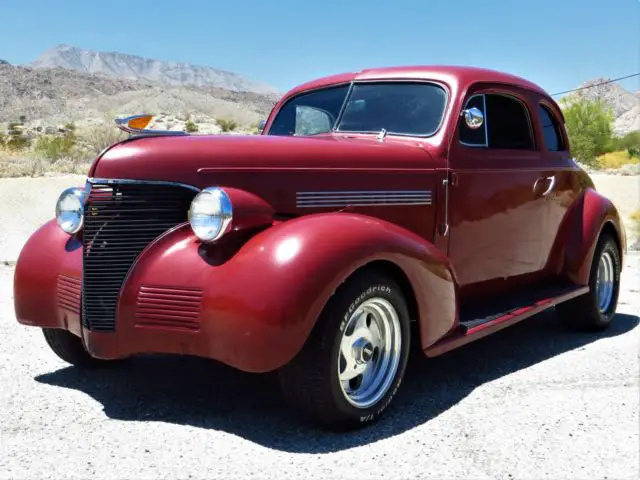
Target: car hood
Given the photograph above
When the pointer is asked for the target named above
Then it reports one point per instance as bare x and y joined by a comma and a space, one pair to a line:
275, 168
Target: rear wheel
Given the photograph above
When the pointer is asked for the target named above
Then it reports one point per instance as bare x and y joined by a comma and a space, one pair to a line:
596, 309
353, 362
69, 348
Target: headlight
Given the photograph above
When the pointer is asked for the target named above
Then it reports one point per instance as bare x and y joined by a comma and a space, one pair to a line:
69, 210
210, 214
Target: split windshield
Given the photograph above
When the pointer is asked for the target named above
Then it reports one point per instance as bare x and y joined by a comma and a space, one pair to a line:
402, 108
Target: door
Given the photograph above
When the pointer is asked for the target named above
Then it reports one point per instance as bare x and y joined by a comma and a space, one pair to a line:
566, 185
497, 211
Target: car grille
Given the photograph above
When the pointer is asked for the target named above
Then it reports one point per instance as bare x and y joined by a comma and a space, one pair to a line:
120, 220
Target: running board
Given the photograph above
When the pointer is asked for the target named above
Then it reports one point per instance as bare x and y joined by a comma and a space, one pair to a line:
483, 319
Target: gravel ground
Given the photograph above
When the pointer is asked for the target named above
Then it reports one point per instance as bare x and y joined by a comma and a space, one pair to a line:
533, 401
25, 204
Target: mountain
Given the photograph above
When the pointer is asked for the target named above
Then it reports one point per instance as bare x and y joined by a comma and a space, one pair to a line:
4, 62
53, 96
139, 68
624, 104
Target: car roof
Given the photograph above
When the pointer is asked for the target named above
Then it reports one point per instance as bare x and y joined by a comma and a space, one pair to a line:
459, 76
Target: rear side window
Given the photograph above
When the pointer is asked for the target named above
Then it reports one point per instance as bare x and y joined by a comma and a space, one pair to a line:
550, 130
506, 124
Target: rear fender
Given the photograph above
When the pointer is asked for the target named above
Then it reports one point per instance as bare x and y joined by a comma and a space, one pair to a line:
587, 218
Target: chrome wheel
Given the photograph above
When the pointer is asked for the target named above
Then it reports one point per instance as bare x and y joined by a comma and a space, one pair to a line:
605, 281
369, 353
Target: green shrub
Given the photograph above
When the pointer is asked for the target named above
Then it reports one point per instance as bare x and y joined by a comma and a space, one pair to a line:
190, 127
55, 148
227, 125
16, 141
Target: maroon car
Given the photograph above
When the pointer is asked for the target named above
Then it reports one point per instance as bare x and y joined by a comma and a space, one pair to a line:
440, 196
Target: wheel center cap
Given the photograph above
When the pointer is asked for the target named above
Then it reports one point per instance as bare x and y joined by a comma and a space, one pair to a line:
363, 351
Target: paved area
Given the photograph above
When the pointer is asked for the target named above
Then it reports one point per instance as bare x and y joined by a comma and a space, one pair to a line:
534, 401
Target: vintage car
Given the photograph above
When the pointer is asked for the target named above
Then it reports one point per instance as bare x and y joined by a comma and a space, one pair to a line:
435, 202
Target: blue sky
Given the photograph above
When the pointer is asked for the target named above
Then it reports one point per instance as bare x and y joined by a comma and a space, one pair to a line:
555, 43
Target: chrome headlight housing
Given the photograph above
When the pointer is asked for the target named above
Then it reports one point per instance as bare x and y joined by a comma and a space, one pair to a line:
210, 214
70, 210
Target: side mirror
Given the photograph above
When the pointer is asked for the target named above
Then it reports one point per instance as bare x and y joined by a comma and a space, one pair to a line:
261, 125
473, 118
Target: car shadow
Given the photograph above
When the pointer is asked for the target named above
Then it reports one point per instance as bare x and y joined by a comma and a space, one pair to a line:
206, 394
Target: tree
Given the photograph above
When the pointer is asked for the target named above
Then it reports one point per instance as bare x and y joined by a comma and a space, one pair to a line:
629, 142
588, 123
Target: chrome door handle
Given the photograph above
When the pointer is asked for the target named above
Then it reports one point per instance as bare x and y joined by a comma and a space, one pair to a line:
552, 184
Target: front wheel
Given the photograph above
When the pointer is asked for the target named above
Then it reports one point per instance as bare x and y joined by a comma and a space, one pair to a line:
69, 348
353, 362
595, 310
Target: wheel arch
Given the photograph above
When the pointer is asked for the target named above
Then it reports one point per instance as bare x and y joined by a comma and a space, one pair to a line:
610, 229
395, 273
589, 218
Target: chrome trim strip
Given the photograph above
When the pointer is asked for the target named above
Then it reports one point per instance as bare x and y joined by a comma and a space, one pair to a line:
116, 181
363, 198
366, 192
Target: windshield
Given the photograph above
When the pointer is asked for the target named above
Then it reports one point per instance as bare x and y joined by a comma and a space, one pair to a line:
310, 113
403, 108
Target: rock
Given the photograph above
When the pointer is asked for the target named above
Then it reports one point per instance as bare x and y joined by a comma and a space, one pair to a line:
629, 169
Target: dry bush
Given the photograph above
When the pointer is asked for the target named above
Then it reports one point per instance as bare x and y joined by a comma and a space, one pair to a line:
615, 160
14, 164
101, 136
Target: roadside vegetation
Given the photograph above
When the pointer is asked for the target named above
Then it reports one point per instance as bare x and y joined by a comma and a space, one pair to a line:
227, 125
592, 141
25, 151
68, 149
61, 150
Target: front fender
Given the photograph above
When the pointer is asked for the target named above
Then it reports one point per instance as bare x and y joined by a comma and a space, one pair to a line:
260, 302
585, 220
47, 280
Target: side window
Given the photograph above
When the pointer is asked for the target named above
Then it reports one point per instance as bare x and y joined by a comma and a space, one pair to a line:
474, 137
508, 123
550, 130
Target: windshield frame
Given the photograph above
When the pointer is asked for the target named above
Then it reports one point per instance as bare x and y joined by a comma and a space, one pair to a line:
351, 84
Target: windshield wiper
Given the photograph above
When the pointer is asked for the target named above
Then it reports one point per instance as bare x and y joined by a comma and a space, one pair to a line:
382, 134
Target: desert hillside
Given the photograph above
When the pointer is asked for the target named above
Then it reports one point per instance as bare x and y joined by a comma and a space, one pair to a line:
139, 68
57, 95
